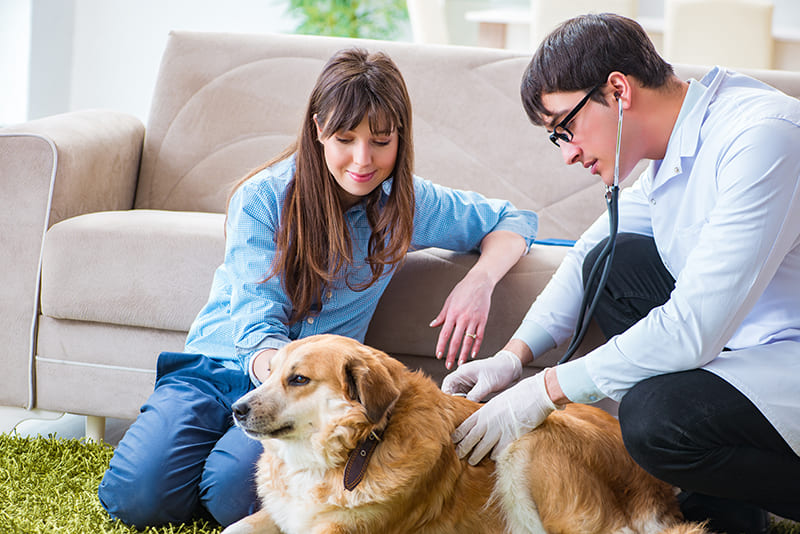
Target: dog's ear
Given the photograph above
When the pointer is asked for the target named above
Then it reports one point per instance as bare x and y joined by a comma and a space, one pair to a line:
371, 385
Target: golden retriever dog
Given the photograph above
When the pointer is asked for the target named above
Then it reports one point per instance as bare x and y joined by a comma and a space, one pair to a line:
356, 443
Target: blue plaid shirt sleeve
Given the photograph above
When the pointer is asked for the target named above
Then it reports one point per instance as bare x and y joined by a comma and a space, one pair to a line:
459, 220
259, 309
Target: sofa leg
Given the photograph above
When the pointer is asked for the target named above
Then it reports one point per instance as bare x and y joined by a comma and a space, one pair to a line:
96, 428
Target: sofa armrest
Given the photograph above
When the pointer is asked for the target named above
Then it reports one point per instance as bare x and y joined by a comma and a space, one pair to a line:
417, 293
91, 156
52, 169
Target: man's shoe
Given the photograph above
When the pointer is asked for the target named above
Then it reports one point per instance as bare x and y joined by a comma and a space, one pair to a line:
724, 515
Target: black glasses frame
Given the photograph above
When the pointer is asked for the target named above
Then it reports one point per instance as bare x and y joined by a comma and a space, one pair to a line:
560, 130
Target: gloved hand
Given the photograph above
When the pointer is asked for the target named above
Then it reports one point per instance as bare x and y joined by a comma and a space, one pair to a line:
508, 416
479, 378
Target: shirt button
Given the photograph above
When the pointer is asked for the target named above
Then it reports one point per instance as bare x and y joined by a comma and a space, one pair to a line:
328, 295
310, 320
676, 170
653, 201
592, 398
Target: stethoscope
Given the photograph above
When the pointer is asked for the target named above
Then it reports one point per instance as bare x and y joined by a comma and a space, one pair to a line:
605, 257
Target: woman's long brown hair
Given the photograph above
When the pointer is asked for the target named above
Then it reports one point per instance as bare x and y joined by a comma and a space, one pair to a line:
313, 240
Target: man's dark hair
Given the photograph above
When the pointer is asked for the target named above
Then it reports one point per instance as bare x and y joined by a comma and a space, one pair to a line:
582, 52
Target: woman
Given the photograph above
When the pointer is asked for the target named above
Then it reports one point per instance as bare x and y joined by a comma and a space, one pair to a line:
312, 240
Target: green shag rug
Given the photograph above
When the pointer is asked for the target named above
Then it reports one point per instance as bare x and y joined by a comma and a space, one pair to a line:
49, 486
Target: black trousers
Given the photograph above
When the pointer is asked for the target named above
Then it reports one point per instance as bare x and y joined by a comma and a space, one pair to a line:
691, 429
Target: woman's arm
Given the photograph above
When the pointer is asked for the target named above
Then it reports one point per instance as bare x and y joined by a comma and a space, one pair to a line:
260, 365
259, 307
466, 309
466, 221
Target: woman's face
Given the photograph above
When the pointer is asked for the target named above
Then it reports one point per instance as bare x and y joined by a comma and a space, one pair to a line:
358, 159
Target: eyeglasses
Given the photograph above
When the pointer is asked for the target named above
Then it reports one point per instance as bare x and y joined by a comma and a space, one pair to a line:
560, 130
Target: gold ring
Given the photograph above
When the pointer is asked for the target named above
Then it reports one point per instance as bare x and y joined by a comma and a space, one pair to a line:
473, 336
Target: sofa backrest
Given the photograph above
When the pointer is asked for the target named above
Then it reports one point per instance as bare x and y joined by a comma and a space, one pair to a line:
226, 103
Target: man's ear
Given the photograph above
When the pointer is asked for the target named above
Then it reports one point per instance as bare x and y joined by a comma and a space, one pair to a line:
620, 88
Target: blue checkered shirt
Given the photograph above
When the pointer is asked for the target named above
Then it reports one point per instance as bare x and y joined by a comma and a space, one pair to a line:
245, 315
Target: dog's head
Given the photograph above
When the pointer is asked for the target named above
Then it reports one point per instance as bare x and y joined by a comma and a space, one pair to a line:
317, 383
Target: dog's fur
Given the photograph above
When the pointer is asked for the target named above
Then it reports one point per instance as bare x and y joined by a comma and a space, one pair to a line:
325, 394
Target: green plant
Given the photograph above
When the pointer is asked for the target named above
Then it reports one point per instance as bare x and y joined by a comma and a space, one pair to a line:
368, 19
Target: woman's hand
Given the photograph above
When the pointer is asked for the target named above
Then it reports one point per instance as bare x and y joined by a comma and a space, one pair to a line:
466, 310
463, 318
259, 364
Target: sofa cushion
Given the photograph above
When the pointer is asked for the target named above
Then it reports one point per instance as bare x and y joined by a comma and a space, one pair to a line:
142, 268
221, 107
418, 291
153, 269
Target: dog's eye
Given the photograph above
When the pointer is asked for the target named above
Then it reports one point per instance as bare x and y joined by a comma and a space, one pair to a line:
298, 380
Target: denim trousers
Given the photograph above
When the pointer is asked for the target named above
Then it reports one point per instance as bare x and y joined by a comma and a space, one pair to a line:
183, 458
691, 429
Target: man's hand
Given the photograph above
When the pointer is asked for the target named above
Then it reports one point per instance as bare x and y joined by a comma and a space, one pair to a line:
479, 378
505, 418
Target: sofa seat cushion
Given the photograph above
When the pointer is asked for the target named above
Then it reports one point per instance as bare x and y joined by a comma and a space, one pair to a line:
141, 268
153, 269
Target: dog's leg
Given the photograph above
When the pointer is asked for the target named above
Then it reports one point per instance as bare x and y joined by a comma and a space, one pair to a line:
257, 523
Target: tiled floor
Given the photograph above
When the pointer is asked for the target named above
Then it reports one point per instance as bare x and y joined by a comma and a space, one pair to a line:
32, 423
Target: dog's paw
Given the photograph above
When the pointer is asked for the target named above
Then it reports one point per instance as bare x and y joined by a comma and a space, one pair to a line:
240, 527
258, 523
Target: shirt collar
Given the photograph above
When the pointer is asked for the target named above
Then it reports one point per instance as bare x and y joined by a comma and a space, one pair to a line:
685, 136
387, 186
386, 190
686, 133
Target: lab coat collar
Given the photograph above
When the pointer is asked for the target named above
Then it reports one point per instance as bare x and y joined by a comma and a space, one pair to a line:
685, 138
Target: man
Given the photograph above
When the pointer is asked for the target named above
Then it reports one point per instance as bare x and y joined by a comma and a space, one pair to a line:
702, 306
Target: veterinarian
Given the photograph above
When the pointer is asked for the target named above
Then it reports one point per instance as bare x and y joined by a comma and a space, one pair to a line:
702, 307
312, 240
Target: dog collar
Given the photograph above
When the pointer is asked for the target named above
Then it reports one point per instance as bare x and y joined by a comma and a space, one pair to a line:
358, 460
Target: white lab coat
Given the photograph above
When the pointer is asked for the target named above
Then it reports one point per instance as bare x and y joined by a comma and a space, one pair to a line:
723, 207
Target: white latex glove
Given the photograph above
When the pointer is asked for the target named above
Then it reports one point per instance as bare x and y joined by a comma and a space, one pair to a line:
508, 416
479, 378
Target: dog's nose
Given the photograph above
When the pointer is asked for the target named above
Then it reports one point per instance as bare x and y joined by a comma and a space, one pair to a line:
240, 410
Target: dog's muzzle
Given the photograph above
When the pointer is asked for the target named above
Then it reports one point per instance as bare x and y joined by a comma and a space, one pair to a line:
254, 423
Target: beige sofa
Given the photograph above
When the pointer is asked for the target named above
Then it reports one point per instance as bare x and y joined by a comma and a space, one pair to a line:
111, 231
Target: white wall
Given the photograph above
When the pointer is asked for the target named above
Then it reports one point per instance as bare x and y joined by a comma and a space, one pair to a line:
14, 51
63, 55
118, 43
81, 54
51, 57
785, 17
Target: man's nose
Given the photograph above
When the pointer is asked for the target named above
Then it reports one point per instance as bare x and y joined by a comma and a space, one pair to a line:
570, 152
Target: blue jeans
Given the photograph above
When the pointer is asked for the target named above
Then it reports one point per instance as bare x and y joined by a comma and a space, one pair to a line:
182, 458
